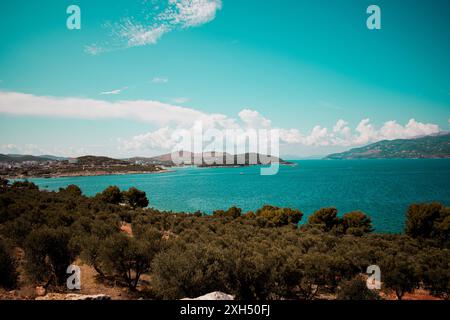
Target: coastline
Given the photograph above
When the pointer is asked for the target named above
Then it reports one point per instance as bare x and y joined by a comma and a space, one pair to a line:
86, 174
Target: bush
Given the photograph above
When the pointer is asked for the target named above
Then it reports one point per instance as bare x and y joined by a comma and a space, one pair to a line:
279, 216
48, 254
435, 271
356, 289
135, 198
8, 273
128, 257
326, 218
72, 190
233, 212
111, 195
188, 271
428, 221
399, 273
24, 185
356, 223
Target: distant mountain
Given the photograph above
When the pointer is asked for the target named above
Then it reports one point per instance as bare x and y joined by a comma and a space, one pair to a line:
96, 160
208, 159
23, 158
434, 146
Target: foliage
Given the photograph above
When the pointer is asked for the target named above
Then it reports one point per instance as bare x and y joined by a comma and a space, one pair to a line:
49, 254
259, 255
326, 218
111, 195
128, 257
356, 223
8, 273
233, 212
356, 289
279, 216
428, 221
135, 198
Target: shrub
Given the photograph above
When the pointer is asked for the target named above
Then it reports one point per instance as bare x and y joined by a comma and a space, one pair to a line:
72, 190
8, 273
326, 218
48, 254
356, 223
233, 212
279, 216
428, 221
188, 271
356, 289
135, 198
111, 195
128, 257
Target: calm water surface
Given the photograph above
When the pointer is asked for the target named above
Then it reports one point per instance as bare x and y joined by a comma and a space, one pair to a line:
381, 188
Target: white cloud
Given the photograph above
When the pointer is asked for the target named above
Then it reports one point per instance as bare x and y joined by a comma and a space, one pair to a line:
138, 35
25, 149
113, 92
253, 119
180, 100
160, 80
139, 110
178, 14
190, 13
94, 49
159, 139
169, 118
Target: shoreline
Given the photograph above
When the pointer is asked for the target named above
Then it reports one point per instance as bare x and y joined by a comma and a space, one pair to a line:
85, 174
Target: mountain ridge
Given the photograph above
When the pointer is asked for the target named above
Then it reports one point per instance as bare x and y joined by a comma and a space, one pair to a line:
426, 147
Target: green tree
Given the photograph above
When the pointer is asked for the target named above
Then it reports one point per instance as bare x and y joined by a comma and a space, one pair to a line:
127, 257
188, 270
135, 198
110, 195
356, 223
399, 273
435, 272
48, 254
8, 273
233, 212
279, 216
428, 221
326, 218
24, 185
72, 190
356, 289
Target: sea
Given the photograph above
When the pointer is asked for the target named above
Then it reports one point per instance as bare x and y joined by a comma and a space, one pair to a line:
383, 189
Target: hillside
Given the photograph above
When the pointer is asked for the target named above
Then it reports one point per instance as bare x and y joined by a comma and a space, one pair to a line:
96, 160
23, 158
437, 146
209, 159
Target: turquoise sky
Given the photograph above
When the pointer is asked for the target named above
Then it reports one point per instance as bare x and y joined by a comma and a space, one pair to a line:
298, 63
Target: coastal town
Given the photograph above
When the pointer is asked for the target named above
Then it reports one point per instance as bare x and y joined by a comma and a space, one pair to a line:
20, 167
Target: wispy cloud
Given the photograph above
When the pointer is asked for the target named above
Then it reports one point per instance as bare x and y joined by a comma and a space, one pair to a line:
180, 100
113, 92
139, 110
177, 14
160, 80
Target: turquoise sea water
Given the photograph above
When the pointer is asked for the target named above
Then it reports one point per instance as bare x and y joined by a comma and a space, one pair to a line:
381, 188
